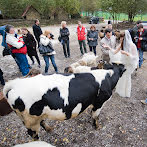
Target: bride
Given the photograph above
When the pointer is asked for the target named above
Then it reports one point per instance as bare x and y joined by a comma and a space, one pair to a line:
126, 54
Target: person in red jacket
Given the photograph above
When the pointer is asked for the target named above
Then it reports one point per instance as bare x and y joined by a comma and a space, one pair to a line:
19, 49
81, 33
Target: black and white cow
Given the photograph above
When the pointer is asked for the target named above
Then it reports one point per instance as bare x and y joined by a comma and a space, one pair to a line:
60, 96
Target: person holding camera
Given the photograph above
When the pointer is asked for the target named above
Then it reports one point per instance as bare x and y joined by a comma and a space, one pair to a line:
133, 31
46, 41
64, 36
141, 42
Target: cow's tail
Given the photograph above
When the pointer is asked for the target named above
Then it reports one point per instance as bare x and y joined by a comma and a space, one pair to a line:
7, 88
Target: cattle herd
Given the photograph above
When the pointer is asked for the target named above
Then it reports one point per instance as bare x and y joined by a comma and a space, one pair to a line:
64, 95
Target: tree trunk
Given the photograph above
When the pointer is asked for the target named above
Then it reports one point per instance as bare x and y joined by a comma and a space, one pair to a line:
113, 17
130, 17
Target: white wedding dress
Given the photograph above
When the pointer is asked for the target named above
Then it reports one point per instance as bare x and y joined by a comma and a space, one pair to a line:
123, 87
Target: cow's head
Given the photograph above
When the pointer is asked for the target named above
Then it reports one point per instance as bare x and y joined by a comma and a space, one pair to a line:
119, 68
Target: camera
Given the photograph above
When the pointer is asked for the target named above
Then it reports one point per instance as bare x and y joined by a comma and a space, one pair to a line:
136, 39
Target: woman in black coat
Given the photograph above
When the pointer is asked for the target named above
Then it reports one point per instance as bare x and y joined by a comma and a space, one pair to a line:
31, 45
92, 38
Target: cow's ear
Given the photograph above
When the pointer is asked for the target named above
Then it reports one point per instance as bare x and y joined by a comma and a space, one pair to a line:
122, 70
122, 65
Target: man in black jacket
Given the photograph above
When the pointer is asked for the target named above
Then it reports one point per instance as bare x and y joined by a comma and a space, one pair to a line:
141, 42
37, 30
134, 30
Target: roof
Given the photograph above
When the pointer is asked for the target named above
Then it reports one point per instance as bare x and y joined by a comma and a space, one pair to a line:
27, 9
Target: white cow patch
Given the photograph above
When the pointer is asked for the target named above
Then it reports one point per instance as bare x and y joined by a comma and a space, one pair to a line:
54, 114
100, 74
96, 113
76, 110
32, 89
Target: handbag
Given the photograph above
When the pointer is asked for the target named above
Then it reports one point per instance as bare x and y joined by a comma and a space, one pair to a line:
59, 38
6, 52
45, 49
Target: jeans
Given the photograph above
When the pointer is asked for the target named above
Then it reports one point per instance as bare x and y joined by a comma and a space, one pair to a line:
93, 48
37, 58
1, 78
23, 63
46, 59
140, 57
82, 42
17, 62
66, 45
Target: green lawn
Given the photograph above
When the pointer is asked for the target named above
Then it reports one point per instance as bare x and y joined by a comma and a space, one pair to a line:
121, 16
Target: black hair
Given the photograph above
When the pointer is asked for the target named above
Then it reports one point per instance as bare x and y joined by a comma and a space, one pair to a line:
138, 22
140, 26
108, 31
8, 27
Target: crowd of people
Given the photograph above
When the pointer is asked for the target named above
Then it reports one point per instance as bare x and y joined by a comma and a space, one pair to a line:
23, 43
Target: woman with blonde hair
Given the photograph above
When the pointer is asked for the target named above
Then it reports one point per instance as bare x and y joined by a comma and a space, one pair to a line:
47, 41
92, 38
64, 35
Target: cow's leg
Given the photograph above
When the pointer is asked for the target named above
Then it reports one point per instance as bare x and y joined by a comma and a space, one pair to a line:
97, 106
46, 127
99, 102
33, 127
95, 115
33, 134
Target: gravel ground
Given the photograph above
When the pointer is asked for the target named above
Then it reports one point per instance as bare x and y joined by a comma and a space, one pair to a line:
123, 121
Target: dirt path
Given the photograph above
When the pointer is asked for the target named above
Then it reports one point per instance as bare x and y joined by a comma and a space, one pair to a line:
123, 121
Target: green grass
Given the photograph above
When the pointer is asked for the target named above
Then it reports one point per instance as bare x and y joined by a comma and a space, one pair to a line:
121, 16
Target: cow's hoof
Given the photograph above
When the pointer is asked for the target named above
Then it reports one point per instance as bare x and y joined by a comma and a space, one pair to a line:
48, 129
36, 138
96, 124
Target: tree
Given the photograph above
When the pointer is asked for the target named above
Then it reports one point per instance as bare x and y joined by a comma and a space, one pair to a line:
134, 7
15, 8
90, 5
114, 7
12, 8
130, 7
